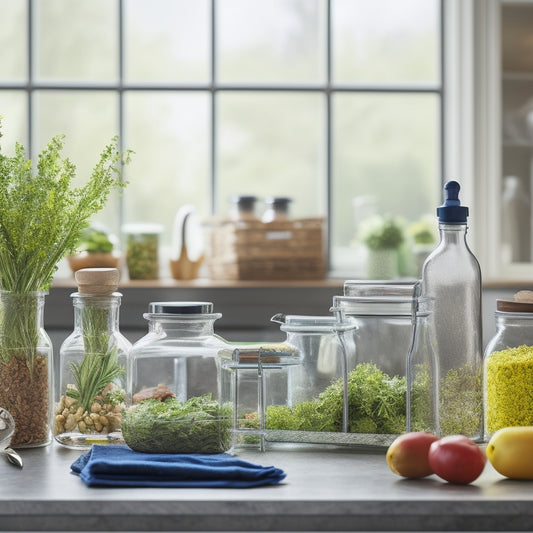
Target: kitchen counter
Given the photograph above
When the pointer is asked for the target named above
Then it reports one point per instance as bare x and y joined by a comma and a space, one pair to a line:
325, 490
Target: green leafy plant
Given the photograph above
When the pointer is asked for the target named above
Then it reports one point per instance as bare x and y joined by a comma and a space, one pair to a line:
422, 232
94, 240
381, 233
199, 425
41, 219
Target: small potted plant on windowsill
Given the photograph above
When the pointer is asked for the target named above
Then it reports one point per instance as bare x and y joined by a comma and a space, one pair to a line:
423, 241
95, 250
382, 236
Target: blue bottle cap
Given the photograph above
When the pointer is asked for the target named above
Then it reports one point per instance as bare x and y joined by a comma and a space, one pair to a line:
452, 212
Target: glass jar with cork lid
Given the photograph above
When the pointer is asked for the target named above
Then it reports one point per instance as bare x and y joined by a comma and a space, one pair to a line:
91, 386
508, 366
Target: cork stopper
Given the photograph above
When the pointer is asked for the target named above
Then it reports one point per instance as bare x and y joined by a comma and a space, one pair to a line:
101, 281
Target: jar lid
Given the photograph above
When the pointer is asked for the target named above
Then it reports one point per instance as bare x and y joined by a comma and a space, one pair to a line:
510, 306
181, 308
101, 281
278, 200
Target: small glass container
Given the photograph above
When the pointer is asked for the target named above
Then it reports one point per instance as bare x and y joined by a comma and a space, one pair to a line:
243, 208
142, 250
508, 368
91, 387
277, 209
175, 383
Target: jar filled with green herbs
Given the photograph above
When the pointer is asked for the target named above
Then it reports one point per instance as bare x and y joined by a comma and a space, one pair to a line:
175, 383
92, 383
508, 366
142, 250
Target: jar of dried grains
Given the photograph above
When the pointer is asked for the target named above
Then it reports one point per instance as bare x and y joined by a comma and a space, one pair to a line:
508, 366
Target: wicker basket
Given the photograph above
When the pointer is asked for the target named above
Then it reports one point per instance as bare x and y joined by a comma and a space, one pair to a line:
255, 250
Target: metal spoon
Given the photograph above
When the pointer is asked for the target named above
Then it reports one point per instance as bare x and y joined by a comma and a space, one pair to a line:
7, 427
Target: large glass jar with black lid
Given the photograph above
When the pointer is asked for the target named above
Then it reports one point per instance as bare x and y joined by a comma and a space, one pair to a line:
175, 383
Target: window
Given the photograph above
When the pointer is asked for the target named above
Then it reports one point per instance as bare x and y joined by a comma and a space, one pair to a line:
336, 103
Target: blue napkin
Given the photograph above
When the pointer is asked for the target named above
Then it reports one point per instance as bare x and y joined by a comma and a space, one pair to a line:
120, 466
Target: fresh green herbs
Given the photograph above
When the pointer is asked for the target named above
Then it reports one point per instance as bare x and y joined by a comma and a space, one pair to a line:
376, 404
41, 218
199, 425
95, 241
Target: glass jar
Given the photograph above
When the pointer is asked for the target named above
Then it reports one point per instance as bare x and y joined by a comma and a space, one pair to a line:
243, 208
26, 367
142, 250
91, 386
277, 209
508, 368
422, 371
382, 315
175, 383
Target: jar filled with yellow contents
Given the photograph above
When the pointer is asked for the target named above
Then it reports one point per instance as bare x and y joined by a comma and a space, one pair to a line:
508, 366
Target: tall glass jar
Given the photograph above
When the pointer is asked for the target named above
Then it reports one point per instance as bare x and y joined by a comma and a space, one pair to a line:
26, 367
175, 383
508, 368
423, 371
91, 387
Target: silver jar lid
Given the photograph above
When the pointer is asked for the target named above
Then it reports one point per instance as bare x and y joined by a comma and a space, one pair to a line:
181, 308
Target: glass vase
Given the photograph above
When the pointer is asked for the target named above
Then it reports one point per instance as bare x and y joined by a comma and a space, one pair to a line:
25, 367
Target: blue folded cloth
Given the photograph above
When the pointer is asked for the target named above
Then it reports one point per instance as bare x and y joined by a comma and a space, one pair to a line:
120, 466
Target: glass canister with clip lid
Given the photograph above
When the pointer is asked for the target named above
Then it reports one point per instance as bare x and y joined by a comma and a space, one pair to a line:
508, 366
175, 383
91, 388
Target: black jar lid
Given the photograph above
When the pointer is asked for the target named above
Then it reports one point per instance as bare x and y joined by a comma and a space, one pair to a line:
181, 308
281, 201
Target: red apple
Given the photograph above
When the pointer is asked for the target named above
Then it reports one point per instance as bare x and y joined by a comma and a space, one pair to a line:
456, 459
407, 456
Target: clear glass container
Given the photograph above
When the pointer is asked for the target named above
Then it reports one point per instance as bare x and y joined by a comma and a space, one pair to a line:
508, 368
451, 276
243, 208
142, 250
277, 209
26, 374
382, 315
91, 389
255, 377
422, 372
175, 383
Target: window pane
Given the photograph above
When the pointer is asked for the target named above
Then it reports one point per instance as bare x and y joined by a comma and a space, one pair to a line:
385, 41
272, 144
167, 40
13, 39
76, 41
385, 160
89, 119
275, 41
169, 134
14, 125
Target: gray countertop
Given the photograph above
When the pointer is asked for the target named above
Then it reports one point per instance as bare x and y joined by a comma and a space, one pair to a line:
325, 490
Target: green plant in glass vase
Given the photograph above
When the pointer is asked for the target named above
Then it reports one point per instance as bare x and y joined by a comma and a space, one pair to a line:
41, 218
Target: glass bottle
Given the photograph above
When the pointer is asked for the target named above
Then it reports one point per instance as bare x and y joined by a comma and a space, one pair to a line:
422, 371
451, 276
508, 368
26, 375
91, 388
177, 364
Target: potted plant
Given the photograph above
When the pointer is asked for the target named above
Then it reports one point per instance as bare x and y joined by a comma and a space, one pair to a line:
94, 250
423, 240
41, 219
382, 236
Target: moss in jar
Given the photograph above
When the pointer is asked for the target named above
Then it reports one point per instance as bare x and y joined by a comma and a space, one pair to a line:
461, 401
199, 425
509, 382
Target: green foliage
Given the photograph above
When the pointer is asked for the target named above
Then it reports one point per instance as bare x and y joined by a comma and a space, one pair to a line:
99, 366
376, 404
381, 233
42, 215
93, 240
199, 425
422, 232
